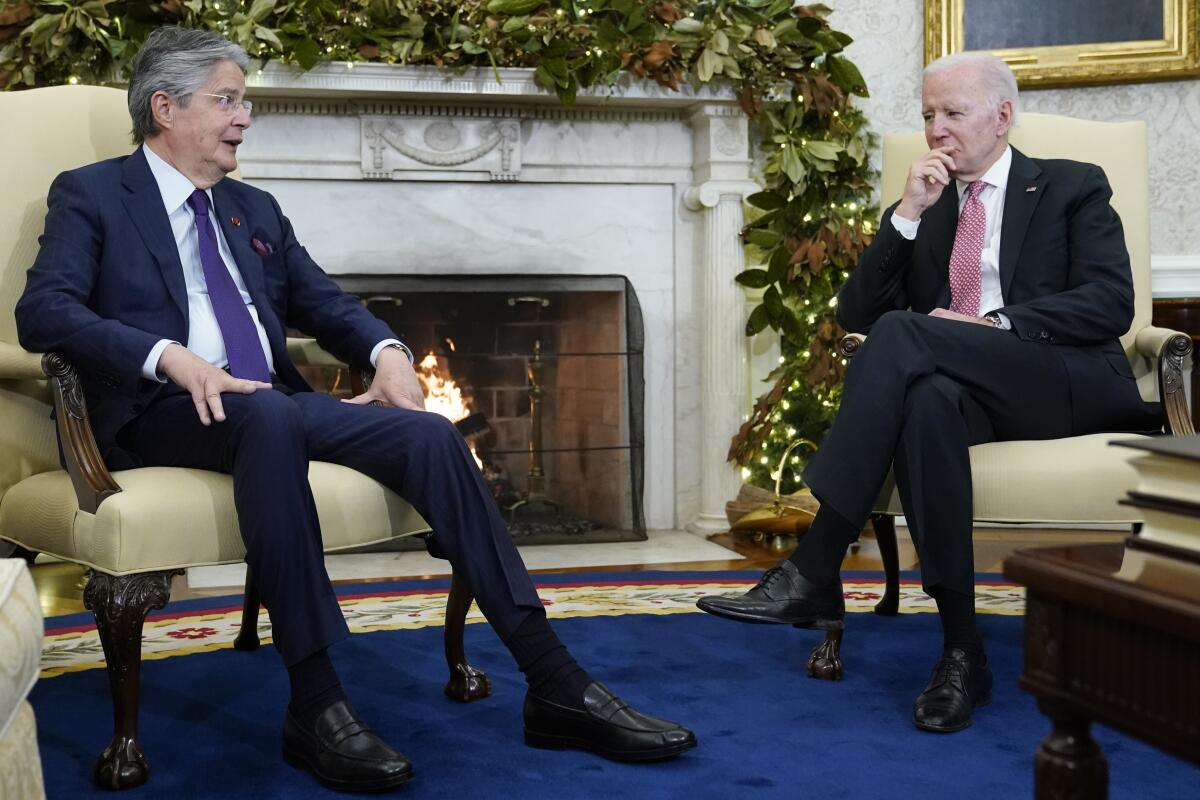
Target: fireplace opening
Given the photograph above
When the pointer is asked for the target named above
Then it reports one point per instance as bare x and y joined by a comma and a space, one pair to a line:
544, 376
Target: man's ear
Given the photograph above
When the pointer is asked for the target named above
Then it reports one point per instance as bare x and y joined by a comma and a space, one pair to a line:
1004, 116
163, 109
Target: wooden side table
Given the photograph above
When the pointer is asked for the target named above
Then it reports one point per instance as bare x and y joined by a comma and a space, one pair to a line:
1183, 314
1099, 648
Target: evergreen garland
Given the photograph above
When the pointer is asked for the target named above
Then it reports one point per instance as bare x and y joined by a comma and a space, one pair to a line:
807, 226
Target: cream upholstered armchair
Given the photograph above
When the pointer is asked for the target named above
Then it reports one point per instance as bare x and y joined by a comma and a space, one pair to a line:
134, 529
1076, 480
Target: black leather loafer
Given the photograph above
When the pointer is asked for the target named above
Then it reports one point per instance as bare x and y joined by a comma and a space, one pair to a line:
783, 596
959, 684
343, 753
606, 726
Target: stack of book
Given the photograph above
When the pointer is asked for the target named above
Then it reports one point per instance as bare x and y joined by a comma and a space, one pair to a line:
1165, 552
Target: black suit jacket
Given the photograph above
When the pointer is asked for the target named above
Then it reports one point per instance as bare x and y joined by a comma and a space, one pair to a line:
107, 285
1064, 275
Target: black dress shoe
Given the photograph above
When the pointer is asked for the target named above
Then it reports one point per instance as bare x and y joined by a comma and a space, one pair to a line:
343, 753
784, 596
606, 726
959, 684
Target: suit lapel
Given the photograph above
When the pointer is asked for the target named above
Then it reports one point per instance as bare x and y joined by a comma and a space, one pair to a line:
1026, 185
227, 210
144, 204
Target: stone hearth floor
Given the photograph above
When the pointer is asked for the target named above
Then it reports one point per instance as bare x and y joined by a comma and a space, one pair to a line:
662, 547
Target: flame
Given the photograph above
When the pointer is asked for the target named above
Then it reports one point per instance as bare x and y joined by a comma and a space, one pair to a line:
442, 395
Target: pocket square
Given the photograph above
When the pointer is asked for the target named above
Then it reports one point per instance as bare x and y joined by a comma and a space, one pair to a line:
264, 249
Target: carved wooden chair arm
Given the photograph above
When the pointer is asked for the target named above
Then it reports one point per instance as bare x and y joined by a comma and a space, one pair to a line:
1168, 349
849, 344
89, 475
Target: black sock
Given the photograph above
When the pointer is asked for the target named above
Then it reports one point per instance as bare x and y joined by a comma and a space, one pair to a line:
550, 670
819, 555
315, 687
957, 612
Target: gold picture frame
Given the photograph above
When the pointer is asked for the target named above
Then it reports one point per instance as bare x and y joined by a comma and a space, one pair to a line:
1173, 57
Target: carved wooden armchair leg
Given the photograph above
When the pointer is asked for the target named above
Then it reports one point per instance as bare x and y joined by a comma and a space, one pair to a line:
247, 638
466, 682
825, 661
120, 604
885, 536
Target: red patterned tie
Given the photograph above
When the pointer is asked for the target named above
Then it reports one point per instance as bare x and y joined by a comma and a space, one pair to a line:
967, 254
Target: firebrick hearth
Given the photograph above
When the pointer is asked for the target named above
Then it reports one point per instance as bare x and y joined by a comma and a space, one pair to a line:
546, 373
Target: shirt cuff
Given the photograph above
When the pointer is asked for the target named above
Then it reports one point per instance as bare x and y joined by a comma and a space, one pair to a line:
387, 343
905, 227
150, 366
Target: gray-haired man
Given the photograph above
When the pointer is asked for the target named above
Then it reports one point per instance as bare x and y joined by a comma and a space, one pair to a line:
172, 288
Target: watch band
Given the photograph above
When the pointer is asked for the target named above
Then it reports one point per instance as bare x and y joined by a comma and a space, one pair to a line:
404, 349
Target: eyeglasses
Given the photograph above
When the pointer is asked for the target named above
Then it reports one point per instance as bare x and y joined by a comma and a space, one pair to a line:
227, 104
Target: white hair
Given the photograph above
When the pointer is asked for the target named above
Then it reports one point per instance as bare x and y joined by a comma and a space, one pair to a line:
998, 79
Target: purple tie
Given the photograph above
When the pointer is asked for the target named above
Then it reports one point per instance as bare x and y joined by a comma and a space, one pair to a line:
242, 345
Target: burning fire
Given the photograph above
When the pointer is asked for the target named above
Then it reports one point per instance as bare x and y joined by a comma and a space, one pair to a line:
442, 394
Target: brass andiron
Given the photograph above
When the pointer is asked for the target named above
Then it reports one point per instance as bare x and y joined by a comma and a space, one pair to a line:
536, 493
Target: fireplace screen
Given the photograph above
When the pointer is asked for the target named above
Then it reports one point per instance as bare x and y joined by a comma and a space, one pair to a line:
544, 376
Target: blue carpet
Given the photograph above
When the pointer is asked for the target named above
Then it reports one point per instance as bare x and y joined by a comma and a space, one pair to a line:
211, 721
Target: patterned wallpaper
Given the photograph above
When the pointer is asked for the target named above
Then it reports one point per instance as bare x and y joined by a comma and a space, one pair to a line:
888, 49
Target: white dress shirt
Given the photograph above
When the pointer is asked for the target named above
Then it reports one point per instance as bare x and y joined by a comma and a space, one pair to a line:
204, 335
992, 197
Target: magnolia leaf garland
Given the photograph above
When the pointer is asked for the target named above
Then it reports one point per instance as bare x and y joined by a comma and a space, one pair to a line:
805, 229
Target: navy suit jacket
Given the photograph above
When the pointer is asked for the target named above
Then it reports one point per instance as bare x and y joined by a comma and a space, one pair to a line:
1064, 275
107, 285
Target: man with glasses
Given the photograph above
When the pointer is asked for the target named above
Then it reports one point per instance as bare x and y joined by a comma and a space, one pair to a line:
172, 288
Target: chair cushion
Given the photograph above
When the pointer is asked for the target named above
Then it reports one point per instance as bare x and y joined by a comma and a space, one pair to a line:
20, 638
167, 517
1075, 480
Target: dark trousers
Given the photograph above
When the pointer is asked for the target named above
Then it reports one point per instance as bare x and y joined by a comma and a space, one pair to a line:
919, 393
266, 442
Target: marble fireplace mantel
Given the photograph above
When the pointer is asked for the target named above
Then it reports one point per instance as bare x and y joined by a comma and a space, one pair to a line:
408, 170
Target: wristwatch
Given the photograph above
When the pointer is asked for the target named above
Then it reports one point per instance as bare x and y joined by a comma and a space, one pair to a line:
991, 317
402, 349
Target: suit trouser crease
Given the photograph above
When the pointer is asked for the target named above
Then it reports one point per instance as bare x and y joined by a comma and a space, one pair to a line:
266, 443
919, 393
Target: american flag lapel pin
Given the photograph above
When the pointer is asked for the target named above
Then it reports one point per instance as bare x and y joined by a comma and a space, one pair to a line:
1029, 189
237, 221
